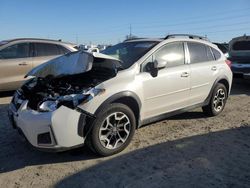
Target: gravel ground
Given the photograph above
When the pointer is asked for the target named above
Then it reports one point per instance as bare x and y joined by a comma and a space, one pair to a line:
187, 150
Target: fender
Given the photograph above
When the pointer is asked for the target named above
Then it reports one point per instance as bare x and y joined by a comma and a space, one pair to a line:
119, 96
86, 120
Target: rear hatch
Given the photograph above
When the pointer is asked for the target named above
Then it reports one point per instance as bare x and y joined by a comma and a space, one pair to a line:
239, 54
240, 50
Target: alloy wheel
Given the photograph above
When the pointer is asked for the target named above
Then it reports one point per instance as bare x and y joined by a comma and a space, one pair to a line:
219, 100
114, 130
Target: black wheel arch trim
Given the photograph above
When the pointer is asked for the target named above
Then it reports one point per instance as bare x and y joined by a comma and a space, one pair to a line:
86, 120
206, 102
118, 96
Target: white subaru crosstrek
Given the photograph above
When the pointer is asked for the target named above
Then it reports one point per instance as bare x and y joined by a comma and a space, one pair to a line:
101, 98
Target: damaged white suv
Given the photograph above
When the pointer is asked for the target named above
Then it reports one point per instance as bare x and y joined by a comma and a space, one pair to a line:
101, 98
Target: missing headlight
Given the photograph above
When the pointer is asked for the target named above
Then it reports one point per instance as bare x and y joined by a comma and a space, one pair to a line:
70, 101
92, 93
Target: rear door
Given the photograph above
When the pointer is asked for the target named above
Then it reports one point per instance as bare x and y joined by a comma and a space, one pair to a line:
15, 62
44, 52
204, 70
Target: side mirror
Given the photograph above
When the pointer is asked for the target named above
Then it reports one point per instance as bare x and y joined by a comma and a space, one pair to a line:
160, 64
153, 67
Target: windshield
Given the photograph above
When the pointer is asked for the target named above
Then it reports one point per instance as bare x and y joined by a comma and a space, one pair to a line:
129, 52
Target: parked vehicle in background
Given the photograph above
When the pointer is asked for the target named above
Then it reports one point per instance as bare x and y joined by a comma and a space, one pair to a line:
239, 55
101, 98
224, 48
95, 49
19, 56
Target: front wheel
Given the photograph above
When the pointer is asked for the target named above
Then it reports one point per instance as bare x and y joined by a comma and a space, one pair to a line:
113, 130
217, 101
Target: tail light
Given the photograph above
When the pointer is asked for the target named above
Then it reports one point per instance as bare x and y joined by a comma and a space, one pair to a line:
229, 63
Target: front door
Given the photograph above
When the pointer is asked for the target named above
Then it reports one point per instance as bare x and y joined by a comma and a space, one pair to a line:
169, 90
15, 62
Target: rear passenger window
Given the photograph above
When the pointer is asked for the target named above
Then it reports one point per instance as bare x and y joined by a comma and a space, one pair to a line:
199, 53
216, 53
172, 53
45, 49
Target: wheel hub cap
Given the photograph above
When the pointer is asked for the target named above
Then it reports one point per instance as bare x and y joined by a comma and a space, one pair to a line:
114, 130
219, 100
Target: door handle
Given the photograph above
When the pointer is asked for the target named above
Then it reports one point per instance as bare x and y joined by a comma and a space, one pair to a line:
23, 64
214, 68
184, 74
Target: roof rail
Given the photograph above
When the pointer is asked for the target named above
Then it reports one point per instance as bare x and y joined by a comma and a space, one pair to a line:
186, 35
41, 39
135, 38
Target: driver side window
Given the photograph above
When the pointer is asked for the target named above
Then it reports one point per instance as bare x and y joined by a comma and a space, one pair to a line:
15, 51
172, 53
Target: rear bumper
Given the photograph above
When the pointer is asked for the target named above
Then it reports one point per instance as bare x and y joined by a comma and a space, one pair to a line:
49, 131
241, 70
241, 75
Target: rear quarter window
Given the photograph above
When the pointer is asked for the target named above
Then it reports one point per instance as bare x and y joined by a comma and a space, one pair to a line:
216, 53
62, 49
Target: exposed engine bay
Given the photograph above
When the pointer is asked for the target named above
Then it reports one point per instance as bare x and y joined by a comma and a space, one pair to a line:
68, 80
49, 93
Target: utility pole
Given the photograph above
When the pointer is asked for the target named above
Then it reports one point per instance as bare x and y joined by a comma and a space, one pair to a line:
130, 31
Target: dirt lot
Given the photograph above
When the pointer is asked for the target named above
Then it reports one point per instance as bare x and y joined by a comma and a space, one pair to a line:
187, 150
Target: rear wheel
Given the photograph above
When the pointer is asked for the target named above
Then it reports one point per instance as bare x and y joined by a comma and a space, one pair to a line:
113, 130
217, 101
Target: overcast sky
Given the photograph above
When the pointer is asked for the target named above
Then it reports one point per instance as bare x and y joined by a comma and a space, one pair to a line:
85, 21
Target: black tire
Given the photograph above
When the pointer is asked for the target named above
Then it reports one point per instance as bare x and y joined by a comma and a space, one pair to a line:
93, 140
210, 110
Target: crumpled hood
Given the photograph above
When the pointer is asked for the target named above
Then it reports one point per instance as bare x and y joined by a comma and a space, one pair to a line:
69, 64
